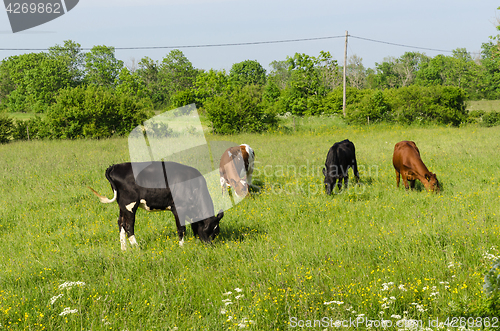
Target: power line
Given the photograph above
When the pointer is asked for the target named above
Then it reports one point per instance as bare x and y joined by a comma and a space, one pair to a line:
188, 46
401, 45
241, 44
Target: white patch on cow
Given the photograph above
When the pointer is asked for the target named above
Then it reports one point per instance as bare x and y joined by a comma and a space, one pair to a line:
130, 206
251, 160
222, 181
243, 182
143, 204
229, 153
132, 240
181, 243
123, 237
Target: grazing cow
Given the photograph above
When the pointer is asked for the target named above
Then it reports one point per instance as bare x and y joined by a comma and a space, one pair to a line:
236, 169
185, 194
407, 163
340, 157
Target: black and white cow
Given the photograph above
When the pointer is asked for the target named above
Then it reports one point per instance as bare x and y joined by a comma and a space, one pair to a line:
162, 186
340, 158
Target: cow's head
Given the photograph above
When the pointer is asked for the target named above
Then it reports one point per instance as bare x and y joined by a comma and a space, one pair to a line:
209, 228
240, 187
331, 174
431, 184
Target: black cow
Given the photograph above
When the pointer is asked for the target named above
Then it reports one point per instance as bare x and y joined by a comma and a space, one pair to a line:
340, 158
162, 186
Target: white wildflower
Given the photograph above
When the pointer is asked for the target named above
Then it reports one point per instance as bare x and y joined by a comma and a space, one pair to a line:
67, 310
238, 289
53, 299
223, 311
330, 302
398, 317
228, 303
229, 318
402, 288
433, 294
239, 296
227, 293
226, 300
386, 286
70, 284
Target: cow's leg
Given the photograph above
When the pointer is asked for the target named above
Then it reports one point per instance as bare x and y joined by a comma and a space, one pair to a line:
339, 183
405, 181
126, 223
195, 227
346, 181
398, 175
222, 184
412, 184
181, 229
355, 169
121, 228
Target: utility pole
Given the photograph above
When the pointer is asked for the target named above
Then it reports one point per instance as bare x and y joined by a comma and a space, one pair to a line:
345, 69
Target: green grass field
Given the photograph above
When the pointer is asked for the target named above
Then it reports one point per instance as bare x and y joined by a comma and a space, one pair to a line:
286, 256
486, 105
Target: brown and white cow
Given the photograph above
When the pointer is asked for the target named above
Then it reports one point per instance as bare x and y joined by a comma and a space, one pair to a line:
407, 163
236, 169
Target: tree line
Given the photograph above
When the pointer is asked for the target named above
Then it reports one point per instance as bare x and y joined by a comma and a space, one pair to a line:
93, 94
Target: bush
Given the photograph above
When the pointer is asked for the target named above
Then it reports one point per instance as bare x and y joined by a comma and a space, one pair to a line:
240, 111
372, 108
34, 128
435, 104
6, 127
409, 105
491, 119
94, 112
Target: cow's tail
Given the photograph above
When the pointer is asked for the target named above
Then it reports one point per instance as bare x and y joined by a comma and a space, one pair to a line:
102, 198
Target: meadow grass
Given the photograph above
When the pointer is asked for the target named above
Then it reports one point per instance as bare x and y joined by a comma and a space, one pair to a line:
486, 105
287, 254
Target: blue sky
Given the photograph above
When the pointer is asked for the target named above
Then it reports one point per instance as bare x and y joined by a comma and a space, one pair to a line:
438, 24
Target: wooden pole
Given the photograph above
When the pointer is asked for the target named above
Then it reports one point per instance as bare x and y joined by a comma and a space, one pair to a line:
345, 70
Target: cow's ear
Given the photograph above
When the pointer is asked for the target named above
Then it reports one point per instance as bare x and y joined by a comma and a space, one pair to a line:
427, 177
220, 214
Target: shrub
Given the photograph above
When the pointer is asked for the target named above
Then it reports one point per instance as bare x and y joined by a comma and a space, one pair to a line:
409, 105
34, 128
372, 108
94, 112
239, 111
491, 119
439, 104
6, 127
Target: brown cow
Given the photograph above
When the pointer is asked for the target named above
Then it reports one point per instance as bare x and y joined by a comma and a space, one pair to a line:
407, 162
236, 168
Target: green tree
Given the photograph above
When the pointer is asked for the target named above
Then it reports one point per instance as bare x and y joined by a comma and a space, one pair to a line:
176, 73
247, 72
279, 75
71, 54
210, 84
101, 66
148, 72
310, 80
34, 80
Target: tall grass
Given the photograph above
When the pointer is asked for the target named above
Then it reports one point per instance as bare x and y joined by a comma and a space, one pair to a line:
288, 254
